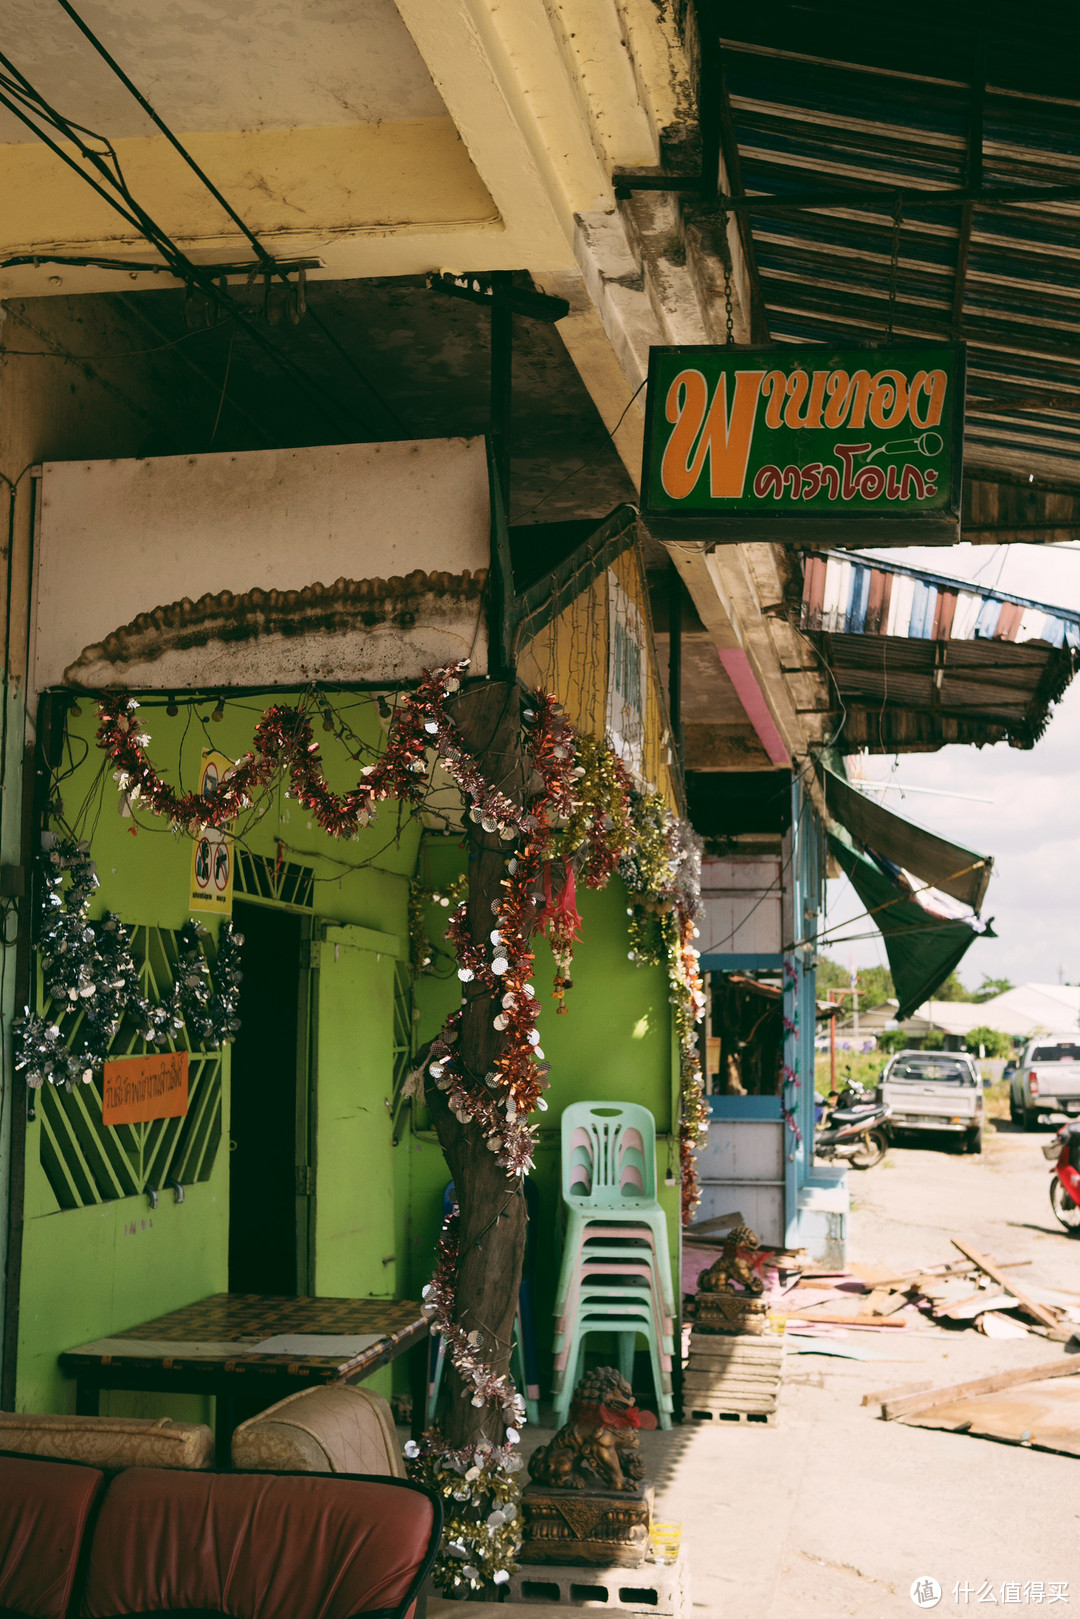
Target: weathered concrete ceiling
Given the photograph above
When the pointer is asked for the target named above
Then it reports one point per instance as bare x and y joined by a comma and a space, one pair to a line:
221, 64
408, 363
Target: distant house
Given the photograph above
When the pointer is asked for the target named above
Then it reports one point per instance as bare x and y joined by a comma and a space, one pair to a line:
1026, 1010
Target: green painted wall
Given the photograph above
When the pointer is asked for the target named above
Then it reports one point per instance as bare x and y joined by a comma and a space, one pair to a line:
615, 1043
90, 1272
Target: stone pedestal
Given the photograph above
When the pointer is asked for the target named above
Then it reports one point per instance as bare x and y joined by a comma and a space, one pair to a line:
603, 1528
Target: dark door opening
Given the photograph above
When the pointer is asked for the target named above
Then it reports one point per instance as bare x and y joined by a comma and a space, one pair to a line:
262, 1129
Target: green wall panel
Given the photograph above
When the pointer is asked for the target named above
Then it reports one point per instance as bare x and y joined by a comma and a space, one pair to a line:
90, 1272
355, 1234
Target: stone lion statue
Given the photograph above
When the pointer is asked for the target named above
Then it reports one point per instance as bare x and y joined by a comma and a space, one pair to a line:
733, 1264
599, 1444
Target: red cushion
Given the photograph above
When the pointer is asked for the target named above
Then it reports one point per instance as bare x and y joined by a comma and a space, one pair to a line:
44, 1507
275, 1546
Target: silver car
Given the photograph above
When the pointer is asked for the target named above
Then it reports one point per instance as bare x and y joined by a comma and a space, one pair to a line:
1047, 1080
936, 1090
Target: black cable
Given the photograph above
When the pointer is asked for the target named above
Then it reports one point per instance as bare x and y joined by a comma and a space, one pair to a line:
520, 517
124, 204
260, 252
265, 258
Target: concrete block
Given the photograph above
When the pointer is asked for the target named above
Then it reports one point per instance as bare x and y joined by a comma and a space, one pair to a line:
662, 1589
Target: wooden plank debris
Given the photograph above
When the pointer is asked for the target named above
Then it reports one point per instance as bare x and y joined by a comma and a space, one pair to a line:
879, 1396
1039, 1312
907, 1403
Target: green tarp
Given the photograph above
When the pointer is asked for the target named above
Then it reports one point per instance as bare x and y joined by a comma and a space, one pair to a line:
944, 865
922, 949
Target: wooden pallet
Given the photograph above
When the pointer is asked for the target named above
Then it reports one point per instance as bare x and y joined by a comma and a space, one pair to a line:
734, 1379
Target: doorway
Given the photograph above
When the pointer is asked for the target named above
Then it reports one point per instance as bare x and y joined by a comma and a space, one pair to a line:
266, 1102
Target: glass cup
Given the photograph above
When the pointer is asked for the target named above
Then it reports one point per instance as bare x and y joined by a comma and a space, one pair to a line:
664, 1541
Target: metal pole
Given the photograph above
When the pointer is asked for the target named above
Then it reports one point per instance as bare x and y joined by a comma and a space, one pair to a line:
502, 341
675, 664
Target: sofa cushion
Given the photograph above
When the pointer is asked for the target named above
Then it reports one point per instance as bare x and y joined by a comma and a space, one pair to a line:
44, 1509
334, 1429
257, 1544
109, 1442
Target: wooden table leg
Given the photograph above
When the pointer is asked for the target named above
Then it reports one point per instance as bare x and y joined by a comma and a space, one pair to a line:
224, 1423
87, 1398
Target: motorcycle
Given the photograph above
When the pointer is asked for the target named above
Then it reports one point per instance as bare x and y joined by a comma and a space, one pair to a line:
853, 1128
1063, 1151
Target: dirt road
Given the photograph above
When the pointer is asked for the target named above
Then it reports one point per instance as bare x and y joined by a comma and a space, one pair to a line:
836, 1513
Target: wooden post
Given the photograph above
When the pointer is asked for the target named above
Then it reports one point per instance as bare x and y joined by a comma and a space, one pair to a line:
492, 1225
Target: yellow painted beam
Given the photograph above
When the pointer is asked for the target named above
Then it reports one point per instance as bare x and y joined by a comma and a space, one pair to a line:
298, 189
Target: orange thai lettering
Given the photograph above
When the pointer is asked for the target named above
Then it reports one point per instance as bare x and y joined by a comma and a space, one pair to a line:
701, 429
797, 386
889, 399
848, 398
934, 385
775, 387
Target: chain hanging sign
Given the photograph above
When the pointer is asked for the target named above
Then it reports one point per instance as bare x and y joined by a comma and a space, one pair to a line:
836, 446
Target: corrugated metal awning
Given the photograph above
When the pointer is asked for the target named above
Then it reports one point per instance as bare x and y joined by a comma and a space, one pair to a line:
915, 173
918, 660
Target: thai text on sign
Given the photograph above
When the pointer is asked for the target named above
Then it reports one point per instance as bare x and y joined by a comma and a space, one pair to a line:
848, 432
138, 1089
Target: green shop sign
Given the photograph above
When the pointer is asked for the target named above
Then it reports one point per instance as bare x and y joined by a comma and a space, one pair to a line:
840, 446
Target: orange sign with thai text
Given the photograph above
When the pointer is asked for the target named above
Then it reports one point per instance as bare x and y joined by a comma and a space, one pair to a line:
138, 1089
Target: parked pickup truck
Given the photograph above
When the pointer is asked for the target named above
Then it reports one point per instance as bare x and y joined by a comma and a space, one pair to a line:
1047, 1079
935, 1090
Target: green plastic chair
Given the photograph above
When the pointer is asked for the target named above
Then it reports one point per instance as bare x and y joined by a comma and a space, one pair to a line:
565, 1379
608, 1296
609, 1178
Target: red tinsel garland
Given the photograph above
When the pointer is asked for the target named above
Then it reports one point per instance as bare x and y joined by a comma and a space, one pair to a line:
284, 741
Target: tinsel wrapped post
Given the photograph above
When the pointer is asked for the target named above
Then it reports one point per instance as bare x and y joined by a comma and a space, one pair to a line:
483, 1263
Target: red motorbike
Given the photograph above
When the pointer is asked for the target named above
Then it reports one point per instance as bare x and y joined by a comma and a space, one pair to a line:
1063, 1151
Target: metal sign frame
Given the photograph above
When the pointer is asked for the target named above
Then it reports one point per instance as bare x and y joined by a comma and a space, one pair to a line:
778, 512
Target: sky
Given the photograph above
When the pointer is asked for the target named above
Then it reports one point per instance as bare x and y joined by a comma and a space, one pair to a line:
1031, 822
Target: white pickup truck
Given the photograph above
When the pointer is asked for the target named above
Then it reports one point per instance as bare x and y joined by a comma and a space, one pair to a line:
1047, 1079
935, 1090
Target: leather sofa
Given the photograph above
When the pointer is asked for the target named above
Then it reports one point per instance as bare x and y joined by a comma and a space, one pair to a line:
78, 1544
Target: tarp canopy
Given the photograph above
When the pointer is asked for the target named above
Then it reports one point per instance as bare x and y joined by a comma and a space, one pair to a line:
922, 949
946, 866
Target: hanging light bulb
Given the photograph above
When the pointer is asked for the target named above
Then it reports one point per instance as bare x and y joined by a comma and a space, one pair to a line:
172, 707
384, 707
219, 712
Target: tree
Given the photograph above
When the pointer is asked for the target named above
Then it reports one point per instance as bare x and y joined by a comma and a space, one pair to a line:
951, 990
875, 983
992, 1041
990, 987
492, 1220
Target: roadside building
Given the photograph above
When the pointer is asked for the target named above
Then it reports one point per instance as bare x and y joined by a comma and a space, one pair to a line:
271, 462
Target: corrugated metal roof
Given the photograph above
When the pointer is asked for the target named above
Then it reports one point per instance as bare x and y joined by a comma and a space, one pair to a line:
837, 102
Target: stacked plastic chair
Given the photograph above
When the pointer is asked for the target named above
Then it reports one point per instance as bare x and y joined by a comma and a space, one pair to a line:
616, 1272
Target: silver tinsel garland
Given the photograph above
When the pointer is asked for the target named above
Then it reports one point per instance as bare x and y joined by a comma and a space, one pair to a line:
89, 970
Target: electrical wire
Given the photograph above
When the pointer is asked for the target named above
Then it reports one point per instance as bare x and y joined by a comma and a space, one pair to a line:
266, 259
125, 354
20, 98
610, 435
